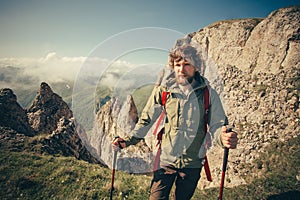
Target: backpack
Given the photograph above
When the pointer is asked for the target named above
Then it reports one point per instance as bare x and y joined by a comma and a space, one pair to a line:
159, 134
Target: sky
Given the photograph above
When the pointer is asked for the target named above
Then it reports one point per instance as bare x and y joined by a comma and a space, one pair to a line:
73, 28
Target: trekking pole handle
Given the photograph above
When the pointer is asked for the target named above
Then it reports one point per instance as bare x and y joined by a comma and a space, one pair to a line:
119, 142
225, 160
229, 128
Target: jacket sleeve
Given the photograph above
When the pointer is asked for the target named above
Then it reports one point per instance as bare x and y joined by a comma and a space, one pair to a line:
149, 115
217, 117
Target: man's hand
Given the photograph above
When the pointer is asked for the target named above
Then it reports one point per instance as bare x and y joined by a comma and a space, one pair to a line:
229, 139
118, 143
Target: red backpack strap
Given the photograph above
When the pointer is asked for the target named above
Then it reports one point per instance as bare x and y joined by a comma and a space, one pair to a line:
206, 110
206, 107
164, 96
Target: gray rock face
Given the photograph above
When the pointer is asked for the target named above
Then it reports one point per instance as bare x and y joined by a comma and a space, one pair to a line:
258, 60
116, 119
12, 114
263, 45
66, 141
46, 110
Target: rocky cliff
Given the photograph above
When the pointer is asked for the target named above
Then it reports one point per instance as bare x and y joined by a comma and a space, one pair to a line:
116, 119
46, 111
46, 127
12, 114
262, 45
258, 60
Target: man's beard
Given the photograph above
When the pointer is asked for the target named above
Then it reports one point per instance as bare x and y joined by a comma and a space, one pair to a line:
181, 80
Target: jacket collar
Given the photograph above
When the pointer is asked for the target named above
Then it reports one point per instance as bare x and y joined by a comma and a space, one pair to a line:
170, 83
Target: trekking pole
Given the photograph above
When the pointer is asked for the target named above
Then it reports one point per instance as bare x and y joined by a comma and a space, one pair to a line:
225, 159
113, 174
115, 151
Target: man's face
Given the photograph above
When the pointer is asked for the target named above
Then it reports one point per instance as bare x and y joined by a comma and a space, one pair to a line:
184, 71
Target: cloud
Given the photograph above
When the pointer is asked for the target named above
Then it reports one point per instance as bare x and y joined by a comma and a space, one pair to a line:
50, 56
54, 68
120, 76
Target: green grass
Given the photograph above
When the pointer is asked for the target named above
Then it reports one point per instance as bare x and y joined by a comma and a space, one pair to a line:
31, 176
141, 96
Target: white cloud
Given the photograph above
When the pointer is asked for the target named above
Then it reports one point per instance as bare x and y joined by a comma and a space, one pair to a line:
52, 67
121, 76
50, 56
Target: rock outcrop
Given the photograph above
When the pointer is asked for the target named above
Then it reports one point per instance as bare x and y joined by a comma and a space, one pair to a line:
66, 142
116, 119
50, 119
12, 114
11, 140
46, 111
262, 45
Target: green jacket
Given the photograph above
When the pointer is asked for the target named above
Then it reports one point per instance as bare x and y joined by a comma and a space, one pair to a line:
184, 142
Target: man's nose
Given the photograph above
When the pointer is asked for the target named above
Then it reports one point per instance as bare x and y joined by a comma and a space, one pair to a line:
181, 66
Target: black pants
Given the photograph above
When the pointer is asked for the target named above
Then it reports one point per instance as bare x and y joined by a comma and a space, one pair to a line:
185, 179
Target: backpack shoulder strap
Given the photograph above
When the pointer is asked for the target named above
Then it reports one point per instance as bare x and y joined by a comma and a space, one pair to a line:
158, 135
164, 96
206, 106
206, 110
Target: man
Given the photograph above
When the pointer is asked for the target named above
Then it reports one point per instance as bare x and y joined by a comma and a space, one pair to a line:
184, 142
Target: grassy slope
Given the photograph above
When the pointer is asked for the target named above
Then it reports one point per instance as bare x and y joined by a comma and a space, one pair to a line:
141, 96
30, 176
